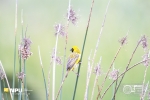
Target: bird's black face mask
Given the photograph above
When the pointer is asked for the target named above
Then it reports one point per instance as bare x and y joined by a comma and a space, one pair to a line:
71, 49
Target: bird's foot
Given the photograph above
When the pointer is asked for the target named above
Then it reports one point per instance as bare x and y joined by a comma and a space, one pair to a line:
75, 73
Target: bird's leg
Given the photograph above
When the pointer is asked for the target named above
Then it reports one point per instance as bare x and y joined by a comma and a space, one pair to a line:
75, 73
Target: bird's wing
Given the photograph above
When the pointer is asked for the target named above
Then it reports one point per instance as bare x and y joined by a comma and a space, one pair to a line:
72, 60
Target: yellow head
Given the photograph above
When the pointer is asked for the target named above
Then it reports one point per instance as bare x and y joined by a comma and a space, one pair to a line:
75, 49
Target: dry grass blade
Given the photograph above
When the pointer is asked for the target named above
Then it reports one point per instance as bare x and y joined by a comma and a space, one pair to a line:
120, 76
43, 73
6, 80
62, 84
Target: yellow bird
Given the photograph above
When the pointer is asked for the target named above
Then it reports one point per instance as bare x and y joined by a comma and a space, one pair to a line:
74, 58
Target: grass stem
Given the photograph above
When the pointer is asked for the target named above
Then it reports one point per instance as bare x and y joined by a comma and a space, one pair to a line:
96, 79
25, 83
54, 65
89, 70
120, 76
108, 71
66, 41
6, 80
143, 87
14, 73
83, 49
0, 90
128, 65
62, 84
43, 73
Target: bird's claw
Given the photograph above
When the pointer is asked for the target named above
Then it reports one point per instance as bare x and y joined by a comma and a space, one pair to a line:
76, 73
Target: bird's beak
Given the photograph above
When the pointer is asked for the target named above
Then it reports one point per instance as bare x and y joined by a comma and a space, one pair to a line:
71, 49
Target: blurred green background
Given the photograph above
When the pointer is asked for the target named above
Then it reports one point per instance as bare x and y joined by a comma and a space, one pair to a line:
41, 16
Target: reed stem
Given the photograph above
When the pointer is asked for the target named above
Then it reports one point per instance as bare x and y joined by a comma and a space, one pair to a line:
83, 49
43, 73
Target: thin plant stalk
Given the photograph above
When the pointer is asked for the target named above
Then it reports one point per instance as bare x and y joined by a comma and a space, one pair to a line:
115, 87
25, 84
63, 66
22, 21
142, 95
69, 10
122, 43
48, 87
15, 49
65, 47
83, 49
14, 70
64, 58
43, 73
89, 70
63, 69
22, 87
6, 80
101, 30
0, 90
109, 70
121, 75
112, 64
144, 92
54, 65
128, 64
19, 81
24, 69
143, 87
113, 90
16, 17
96, 80
62, 84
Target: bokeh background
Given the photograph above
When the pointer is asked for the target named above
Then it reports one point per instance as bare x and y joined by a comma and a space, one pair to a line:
41, 16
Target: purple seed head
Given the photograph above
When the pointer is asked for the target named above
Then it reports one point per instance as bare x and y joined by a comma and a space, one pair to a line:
97, 70
144, 42
60, 30
24, 48
71, 15
58, 59
113, 74
146, 59
21, 76
123, 40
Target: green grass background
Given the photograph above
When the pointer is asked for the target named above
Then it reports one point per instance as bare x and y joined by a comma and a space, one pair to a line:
41, 16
